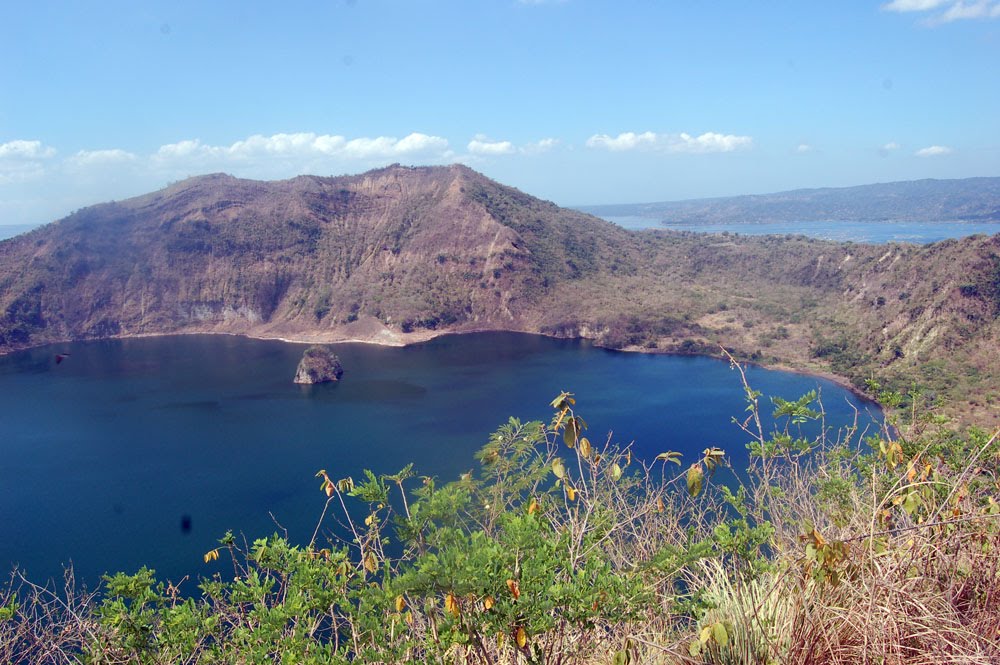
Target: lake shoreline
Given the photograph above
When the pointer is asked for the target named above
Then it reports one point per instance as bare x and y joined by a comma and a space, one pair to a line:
401, 340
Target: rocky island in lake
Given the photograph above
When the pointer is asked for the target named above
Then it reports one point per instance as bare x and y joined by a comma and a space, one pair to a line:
319, 364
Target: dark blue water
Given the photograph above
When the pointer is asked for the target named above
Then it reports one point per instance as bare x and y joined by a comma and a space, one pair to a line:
839, 231
102, 455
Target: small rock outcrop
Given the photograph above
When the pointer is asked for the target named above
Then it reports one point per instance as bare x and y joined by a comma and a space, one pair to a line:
318, 365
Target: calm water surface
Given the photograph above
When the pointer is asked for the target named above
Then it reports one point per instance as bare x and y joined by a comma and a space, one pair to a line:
102, 455
868, 232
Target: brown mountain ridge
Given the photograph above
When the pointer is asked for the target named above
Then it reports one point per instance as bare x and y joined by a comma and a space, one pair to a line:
401, 254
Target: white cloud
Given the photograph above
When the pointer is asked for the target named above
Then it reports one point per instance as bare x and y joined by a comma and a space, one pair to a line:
624, 141
306, 146
539, 146
913, 5
946, 11
933, 151
804, 147
970, 10
23, 160
20, 149
481, 145
678, 143
100, 157
886, 149
182, 149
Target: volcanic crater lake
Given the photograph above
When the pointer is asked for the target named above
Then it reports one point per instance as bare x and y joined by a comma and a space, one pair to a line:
146, 451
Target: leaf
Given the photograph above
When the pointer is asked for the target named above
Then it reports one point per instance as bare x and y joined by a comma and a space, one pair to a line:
211, 555
616, 471
515, 588
564, 398
400, 603
488, 602
571, 493
705, 635
585, 447
713, 457
558, 468
370, 519
570, 433
328, 488
533, 507
370, 563
659, 504
521, 637
670, 456
720, 634
694, 648
694, 478
451, 604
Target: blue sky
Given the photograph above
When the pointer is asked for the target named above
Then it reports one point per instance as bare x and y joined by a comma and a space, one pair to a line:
574, 101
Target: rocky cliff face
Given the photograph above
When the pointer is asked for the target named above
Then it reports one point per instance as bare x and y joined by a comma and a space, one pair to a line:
401, 254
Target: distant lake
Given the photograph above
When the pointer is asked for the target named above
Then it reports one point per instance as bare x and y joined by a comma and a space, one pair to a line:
11, 230
868, 232
102, 455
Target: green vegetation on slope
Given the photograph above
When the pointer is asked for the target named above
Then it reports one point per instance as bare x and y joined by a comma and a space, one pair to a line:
560, 550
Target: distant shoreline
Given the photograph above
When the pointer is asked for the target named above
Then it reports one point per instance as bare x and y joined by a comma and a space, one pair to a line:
402, 340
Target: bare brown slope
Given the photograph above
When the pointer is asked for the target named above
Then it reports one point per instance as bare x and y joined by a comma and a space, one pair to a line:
399, 254
407, 249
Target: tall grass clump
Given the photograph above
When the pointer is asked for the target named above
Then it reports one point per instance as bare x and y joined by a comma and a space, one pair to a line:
837, 547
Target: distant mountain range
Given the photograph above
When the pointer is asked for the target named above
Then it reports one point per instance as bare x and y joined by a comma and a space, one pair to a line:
401, 254
968, 199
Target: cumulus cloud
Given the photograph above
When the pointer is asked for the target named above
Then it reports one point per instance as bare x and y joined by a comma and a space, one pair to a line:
21, 149
886, 149
23, 160
677, 143
624, 141
946, 11
85, 158
933, 151
308, 145
480, 145
540, 146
